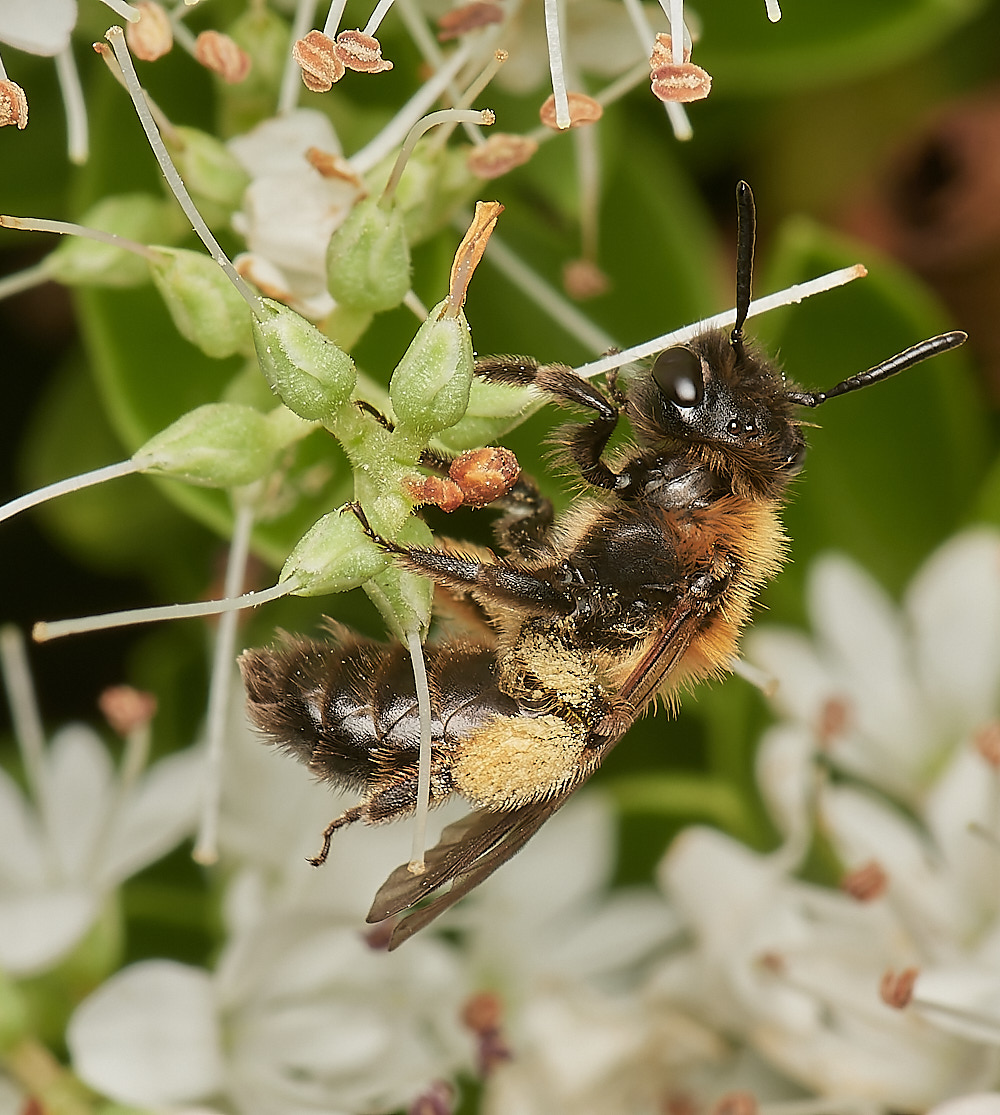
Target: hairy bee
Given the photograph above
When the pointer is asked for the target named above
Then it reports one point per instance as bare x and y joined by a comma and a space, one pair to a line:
642, 587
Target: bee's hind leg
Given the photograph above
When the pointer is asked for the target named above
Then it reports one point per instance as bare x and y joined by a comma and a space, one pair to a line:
358, 813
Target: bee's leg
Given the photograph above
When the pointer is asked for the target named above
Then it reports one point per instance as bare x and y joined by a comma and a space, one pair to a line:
585, 443
524, 526
497, 581
358, 813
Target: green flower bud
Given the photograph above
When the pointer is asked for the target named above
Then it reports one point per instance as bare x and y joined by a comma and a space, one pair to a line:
212, 173
206, 307
436, 183
220, 445
368, 258
403, 598
305, 369
494, 410
430, 387
141, 217
334, 555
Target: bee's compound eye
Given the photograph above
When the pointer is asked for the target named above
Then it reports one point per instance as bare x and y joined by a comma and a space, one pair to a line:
677, 373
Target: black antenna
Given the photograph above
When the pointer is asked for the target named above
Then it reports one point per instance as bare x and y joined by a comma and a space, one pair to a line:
895, 364
746, 223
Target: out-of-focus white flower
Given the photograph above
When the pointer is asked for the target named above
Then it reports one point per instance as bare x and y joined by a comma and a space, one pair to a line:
41, 27
290, 210
891, 750
983, 1103
300, 1016
86, 832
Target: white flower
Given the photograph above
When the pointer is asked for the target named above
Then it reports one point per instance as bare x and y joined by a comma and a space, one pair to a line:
41, 27
62, 855
290, 210
891, 752
300, 1016
794, 970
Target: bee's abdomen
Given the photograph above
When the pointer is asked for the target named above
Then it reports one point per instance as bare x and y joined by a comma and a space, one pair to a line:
349, 711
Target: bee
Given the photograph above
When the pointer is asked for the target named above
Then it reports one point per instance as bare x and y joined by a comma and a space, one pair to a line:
640, 589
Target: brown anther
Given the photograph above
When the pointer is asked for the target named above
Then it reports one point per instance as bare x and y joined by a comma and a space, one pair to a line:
987, 742
834, 718
582, 110
152, 35
583, 279
896, 989
220, 54
735, 1103
469, 17
483, 1012
439, 1099
317, 57
470, 251
500, 153
126, 709
772, 962
679, 1103
485, 474
13, 105
683, 84
662, 53
361, 52
443, 493
333, 166
865, 883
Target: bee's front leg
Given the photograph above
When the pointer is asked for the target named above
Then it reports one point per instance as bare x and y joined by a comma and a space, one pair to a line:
499, 582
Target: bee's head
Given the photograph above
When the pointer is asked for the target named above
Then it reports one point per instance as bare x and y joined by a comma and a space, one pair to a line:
728, 405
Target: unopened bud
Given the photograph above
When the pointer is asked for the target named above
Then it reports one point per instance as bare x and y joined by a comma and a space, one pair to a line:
500, 154
430, 387
361, 52
206, 307
305, 369
469, 17
368, 258
582, 110
334, 555
152, 35
215, 178
80, 261
494, 409
219, 445
317, 57
220, 54
13, 105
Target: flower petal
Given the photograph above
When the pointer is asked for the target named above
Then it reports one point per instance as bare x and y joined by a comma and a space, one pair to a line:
149, 1036
38, 928
79, 798
40, 27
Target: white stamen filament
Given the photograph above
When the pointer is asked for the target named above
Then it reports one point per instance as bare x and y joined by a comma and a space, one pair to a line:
116, 38
69, 228
676, 17
291, 77
206, 849
3, 72
44, 632
546, 297
790, 296
675, 112
77, 139
432, 120
412, 302
556, 69
396, 130
23, 280
64, 487
988, 1024
416, 864
126, 11
333, 18
24, 710
588, 172
381, 11
185, 38
773, 11
758, 678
